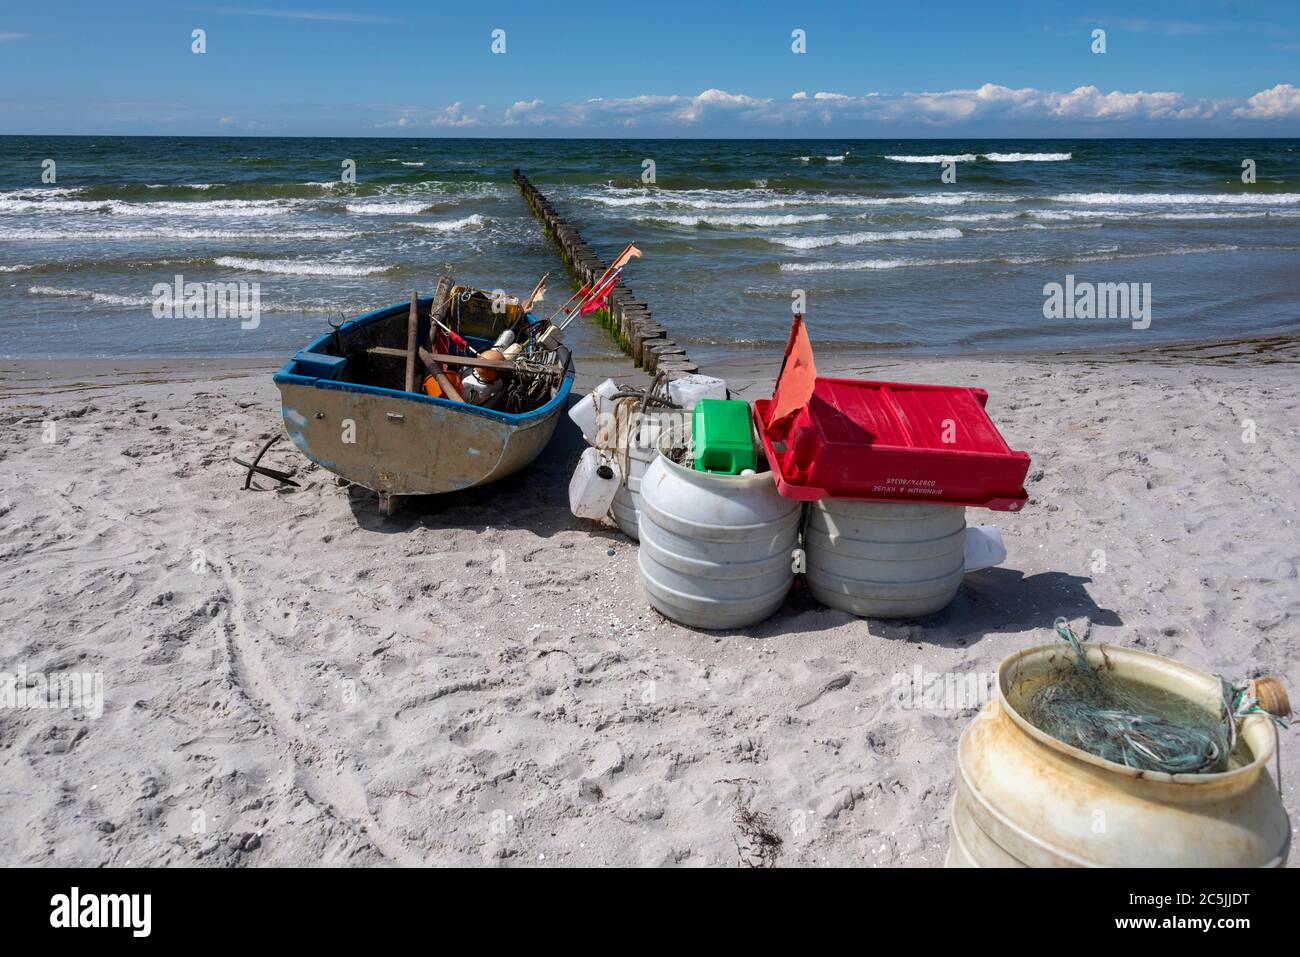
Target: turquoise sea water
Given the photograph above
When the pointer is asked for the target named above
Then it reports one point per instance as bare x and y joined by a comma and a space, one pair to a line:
885, 253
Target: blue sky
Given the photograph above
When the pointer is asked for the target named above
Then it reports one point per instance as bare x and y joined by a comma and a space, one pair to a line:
650, 68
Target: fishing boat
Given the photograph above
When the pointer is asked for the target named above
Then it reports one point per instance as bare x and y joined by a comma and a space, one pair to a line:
378, 400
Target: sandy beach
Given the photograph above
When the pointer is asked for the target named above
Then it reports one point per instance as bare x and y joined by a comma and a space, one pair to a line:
291, 679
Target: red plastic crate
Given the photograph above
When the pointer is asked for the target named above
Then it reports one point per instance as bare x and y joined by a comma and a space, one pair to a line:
885, 442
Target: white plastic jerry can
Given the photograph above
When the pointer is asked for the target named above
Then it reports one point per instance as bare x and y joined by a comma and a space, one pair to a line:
688, 389
586, 411
594, 482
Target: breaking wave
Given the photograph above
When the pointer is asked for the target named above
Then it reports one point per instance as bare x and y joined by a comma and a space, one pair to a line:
144, 232
1107, 255
991, 157
1176, 199
857, 239
106, 298
736, 219
386, 209
282, 267
1027, 157
936, 158
474, 221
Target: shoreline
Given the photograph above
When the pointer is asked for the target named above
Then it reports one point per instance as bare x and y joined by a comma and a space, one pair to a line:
1271, 347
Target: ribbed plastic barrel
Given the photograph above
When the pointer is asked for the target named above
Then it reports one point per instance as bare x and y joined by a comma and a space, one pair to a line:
626, 509
715, 549
885, 560
1025, 799
636, 440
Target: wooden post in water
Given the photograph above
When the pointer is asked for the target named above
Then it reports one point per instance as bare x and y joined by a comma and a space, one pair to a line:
629, 320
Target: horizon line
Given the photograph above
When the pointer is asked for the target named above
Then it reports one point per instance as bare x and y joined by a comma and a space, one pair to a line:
828, 139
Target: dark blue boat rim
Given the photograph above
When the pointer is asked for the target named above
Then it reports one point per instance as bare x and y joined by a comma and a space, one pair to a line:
285, 374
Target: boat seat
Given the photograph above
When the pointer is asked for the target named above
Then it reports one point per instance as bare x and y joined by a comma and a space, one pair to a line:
319, 365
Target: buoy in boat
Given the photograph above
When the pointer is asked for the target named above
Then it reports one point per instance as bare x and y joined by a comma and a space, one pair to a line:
431, 387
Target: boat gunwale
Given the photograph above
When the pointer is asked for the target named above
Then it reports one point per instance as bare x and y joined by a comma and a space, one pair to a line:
285, 375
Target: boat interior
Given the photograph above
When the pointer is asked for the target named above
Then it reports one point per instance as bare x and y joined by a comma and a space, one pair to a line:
370, 350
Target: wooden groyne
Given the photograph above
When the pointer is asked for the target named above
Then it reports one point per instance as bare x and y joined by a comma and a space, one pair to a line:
628, 319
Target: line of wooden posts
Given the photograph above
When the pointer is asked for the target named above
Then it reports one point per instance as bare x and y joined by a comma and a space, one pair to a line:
627, 319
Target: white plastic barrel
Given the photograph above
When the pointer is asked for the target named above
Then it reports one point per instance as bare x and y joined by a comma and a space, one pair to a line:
884, 560
715, 549
1025, 799
636, 438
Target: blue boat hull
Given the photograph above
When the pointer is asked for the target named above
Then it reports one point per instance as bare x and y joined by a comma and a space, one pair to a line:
402, 443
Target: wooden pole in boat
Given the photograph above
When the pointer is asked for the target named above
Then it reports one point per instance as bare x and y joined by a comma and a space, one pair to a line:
412, 340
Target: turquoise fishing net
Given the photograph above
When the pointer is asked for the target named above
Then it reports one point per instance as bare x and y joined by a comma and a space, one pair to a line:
1127, 722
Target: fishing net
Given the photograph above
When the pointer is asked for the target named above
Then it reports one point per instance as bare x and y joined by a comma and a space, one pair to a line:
1134, 724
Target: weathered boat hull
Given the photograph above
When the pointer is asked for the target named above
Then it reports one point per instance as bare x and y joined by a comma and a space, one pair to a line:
400, 443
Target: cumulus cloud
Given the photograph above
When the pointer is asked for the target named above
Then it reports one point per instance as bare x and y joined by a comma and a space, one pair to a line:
988, 105
456, 115
251, 126
652, 109
1281, 102
525, 111
1088, 102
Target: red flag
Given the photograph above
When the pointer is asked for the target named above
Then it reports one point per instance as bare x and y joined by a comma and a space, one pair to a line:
601, 299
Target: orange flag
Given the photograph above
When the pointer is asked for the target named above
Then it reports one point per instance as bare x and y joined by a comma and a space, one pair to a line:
625, 257
798, 377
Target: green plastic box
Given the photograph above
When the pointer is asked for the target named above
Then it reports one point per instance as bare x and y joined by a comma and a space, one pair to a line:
723, 437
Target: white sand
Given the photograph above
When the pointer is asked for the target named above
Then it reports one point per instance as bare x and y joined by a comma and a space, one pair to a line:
290, 679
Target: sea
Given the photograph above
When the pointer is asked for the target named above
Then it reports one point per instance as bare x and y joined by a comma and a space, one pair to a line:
917, 246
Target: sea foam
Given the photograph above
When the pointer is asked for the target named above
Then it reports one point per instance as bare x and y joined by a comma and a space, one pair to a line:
474, 221
1179, 199
283, 267
858, 239
736, 219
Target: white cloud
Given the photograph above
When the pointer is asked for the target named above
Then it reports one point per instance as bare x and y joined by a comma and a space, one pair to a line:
525, 111
713, 101
14, 36
1281, 102
1088, 102
989, 105
250, 126
653, 108
334, 16
457, 116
